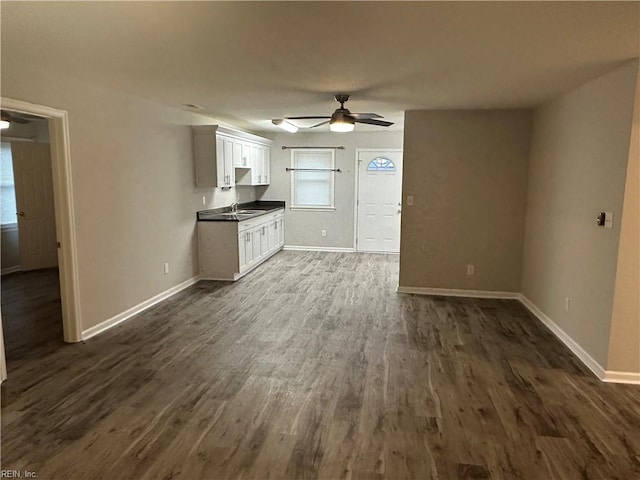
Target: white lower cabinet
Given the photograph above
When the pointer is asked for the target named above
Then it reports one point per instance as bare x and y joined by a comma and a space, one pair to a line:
229, 250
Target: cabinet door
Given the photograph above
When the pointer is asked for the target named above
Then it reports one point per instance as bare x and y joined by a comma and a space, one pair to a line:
237, 154
221, 176
281, 232
264, 239
242, 251
255, 165
257, 243
229, 169
273, 234
246, 154
246, 249
266, 164
227, 162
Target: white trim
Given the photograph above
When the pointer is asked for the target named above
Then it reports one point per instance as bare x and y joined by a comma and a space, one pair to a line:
127, 314
7, 270
64, 211
304, 248
564, 337
632, 378
454, 292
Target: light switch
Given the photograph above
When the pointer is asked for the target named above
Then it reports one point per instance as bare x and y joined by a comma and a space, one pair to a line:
409, 200
608, 219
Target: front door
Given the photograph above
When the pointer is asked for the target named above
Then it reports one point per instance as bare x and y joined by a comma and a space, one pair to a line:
34, 202
379, 200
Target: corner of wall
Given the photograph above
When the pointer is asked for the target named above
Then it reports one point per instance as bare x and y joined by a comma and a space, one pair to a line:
624, 342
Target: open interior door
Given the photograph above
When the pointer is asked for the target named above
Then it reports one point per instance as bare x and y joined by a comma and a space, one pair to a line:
34, 201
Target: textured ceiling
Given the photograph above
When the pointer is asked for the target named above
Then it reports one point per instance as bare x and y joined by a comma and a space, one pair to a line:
248, 62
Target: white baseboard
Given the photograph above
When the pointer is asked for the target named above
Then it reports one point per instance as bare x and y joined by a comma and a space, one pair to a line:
565, 338
7, 270
300, 248
127, 314
452, 292
632, 378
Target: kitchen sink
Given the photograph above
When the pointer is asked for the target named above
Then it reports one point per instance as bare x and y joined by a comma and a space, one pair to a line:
250, 211
236, 214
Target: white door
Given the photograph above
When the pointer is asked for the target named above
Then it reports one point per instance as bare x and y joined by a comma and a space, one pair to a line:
34, 202
379, 201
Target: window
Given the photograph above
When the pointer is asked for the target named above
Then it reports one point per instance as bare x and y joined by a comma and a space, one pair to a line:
312, 178
381, 164
7, 187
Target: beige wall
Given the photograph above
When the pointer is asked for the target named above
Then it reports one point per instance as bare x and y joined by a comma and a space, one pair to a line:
303, 228
578, 164
467, 172
133, 187
624, 343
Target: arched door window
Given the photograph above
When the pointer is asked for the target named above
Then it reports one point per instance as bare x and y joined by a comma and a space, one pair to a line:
381, 164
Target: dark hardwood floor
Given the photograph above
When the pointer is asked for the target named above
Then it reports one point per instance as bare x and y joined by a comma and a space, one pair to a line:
31, 314
313, 367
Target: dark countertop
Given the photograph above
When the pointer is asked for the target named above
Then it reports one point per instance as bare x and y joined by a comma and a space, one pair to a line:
223, 214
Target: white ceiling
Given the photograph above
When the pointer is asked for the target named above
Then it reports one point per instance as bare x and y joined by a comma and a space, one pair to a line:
247, 62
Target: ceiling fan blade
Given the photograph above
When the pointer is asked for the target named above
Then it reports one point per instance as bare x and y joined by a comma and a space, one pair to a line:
306, 118
10, 117
22, 121
319, 124
372, 121
365, 115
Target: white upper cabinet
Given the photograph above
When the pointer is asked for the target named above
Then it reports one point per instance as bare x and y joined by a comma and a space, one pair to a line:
225, 157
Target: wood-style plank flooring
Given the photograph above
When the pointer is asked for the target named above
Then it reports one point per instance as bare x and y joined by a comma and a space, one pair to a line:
31, 314
313, 367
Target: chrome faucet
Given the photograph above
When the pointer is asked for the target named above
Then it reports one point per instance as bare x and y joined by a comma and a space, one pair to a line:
234, 207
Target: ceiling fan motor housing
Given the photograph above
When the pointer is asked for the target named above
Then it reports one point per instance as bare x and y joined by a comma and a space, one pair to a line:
342, 115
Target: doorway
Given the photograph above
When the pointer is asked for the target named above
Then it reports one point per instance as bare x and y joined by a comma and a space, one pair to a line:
378, 200
32, 313
58, 126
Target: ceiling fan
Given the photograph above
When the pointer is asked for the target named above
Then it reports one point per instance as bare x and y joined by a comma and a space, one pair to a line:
14, 117
342, 119
6, 118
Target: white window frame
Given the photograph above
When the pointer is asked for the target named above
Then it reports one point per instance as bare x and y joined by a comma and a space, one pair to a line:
332, 179
9, 226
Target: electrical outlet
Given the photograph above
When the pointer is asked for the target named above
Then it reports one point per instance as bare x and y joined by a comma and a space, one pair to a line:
166, 268
204, 200
567, 303
471, 269
323, 233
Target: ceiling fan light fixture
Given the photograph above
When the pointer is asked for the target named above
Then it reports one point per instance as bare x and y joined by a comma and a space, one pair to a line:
341, 125
283, 124
4, 124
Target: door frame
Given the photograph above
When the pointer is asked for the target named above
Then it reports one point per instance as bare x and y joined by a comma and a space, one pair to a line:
64, 210
356, 199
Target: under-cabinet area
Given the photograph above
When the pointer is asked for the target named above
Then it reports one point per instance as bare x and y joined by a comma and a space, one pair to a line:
225, 157
231, 244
